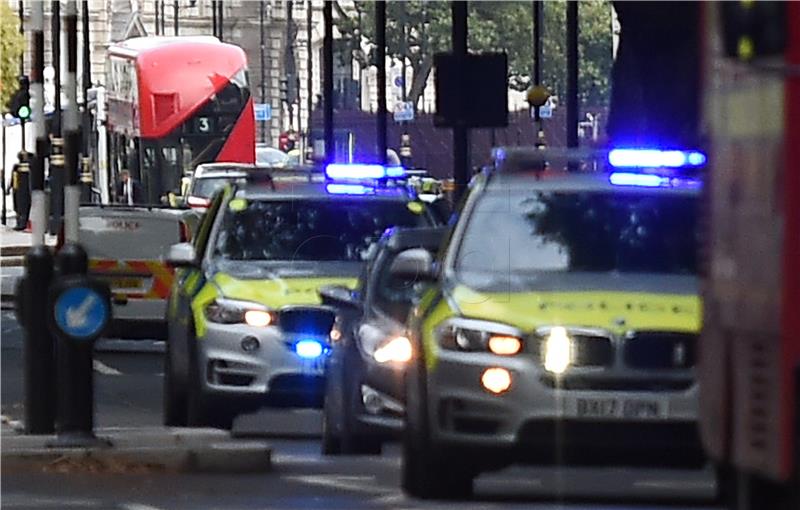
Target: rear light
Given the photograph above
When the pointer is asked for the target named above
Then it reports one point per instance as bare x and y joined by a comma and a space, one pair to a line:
198, 202
185, 233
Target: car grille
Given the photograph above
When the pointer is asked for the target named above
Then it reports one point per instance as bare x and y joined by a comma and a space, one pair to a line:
659, 350
309, 320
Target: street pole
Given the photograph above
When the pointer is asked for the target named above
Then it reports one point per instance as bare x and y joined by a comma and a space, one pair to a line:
327, 80
87, 83
309, 73
221, 20
158, 18
458, 34
32, 300
214, 17
175, 15
74, 368
262, 47
289, 64
21, 9
3, 176
538, 29
163, 18
572, 76
380, 43
56, 160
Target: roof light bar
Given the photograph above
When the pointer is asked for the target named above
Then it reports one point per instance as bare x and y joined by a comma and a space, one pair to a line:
652, 180
338, 171
655, 158
349, 189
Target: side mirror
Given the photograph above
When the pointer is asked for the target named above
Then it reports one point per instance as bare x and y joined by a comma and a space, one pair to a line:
415, 264
339, 296
182, 255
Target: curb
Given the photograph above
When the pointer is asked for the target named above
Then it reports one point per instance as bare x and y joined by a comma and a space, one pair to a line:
137, 450
240, 457
12, 261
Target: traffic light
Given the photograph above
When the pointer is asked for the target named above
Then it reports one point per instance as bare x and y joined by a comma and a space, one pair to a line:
20, 103
754, 29
284, 90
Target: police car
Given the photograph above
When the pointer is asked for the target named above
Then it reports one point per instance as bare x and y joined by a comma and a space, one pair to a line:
561, 324
245, 325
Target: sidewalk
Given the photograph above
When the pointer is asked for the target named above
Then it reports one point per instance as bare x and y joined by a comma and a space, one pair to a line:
13, 247
126, 450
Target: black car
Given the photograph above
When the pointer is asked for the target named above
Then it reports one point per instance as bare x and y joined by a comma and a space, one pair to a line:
363, 395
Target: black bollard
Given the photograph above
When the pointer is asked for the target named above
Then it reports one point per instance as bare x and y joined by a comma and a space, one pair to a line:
39, 356
75, 374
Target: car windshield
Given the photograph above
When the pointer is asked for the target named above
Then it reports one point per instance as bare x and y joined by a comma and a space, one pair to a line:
580, 232
271, 157
206, 186
317, 230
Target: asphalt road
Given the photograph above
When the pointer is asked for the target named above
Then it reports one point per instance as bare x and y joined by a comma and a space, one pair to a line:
128, 390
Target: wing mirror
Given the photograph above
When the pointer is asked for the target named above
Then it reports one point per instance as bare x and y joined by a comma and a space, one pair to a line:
182, 255
339, 296
415, 264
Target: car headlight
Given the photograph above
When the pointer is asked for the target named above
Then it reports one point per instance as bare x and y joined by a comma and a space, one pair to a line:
557, 350
231, 311
397, 349
479, 336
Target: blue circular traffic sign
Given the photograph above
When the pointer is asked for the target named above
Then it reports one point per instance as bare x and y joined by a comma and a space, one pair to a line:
81, 312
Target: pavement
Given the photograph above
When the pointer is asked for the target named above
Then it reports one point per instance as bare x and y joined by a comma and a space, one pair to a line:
13, 247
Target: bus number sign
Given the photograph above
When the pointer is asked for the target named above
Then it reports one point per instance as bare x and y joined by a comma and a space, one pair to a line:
203, 125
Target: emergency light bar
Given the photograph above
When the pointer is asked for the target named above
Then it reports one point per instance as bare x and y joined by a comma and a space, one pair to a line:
349, 189
651, 180
655, 158
340, 171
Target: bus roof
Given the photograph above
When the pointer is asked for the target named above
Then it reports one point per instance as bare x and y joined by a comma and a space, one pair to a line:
137, 46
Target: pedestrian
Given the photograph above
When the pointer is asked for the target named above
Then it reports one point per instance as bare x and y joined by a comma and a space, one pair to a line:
20, 179
128, 191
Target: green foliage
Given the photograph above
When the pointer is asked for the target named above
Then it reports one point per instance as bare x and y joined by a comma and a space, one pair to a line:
494, 26
12, 44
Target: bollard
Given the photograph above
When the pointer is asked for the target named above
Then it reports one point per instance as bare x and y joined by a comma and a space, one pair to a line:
39, 361
80, 309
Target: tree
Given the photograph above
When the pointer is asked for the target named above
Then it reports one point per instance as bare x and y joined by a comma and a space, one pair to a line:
493, 26
12, 44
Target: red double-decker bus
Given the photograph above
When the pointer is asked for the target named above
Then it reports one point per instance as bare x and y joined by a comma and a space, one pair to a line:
173, 103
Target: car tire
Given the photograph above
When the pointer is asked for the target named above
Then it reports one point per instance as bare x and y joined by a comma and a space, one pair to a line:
427, 472
175, 398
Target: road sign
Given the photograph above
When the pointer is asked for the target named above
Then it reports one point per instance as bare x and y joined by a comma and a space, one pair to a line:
398, 81
263, 111
81, 309
403, 111
546, 111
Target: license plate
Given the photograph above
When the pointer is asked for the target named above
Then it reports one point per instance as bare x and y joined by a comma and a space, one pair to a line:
617, 408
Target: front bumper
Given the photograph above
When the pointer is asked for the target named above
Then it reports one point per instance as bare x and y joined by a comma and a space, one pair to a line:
272, 373
538, 421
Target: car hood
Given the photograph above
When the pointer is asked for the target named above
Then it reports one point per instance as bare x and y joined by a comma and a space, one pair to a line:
276, 285
614, 302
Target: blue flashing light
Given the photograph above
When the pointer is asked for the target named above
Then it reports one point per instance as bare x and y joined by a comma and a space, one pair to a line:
652, 180
655, 158
348, 189
309, 349
339, 171
630, 179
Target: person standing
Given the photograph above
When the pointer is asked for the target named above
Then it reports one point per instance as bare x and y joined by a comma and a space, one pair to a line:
20, 179
128, 191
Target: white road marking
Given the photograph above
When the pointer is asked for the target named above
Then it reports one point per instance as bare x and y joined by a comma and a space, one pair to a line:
102, 368
361, 484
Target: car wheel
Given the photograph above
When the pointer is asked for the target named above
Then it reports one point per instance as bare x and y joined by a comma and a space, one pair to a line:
175, 404
427, 472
